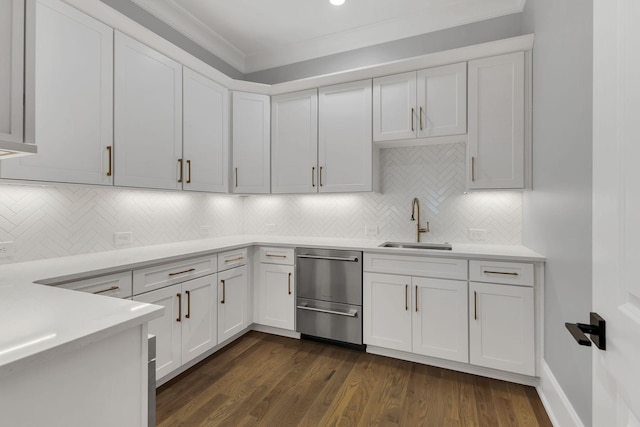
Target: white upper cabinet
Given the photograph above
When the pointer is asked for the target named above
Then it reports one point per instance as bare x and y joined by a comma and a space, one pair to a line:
426, 103
11, 70
345, 147
148, 117
69, 102
496, 144
294, 142
251, 153
206, 134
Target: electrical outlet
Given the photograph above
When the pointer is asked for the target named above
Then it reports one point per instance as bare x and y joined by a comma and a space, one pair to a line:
269, 228
6, 249
122, 239
477, 234
205, 230
370, 230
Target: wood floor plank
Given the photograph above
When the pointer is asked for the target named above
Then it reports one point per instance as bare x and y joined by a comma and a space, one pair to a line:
266, 380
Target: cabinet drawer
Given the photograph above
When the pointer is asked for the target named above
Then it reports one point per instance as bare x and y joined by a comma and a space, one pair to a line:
159, 276
232, 259
114, 285
444, 268
277, 255
510, 273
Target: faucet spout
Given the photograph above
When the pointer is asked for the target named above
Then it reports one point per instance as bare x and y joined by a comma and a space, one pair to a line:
415, 213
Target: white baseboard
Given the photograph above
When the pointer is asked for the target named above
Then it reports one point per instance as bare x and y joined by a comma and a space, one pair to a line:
275, 331
560, 411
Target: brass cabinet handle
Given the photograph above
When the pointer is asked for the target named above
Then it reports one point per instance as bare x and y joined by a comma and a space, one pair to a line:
320, 176
188, 315
236, 177
416, 298
110, 150
222, 302
276, 256
406, 297
473, 169
413, 113
240, 258
182, 272
289, 283
179, 295
189, 172
313, 176
181, 171
113, 288
475, 305
420, 118
500, 272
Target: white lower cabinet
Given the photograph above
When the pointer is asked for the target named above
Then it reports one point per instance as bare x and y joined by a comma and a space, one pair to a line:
233, 302
189, 325
276, 296
415, 314
501, 327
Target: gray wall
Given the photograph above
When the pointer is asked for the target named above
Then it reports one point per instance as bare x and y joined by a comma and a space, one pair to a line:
141, 16
465, 35
557, 214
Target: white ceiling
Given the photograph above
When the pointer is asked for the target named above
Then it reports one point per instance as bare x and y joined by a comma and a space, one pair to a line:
253, 35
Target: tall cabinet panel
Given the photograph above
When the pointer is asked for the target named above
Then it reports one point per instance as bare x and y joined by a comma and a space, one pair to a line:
206, 134
495, 151
294, 142
11, 70
69, 101
345, 156
148, 117
251, 154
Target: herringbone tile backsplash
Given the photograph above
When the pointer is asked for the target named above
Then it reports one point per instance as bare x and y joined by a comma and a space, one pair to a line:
59, 220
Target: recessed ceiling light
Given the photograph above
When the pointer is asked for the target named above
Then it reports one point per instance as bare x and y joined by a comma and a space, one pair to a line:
336, 2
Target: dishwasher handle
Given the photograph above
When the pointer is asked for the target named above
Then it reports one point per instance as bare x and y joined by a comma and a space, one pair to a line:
350, 313
330, 258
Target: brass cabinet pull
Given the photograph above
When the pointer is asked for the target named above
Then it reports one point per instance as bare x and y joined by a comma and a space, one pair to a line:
416, 298
188, 315
276, 256
113, 288
406, 297
320, 176
500, 272
420, 118
110, 150
289, 283
473, 169
413, 113
189, 172
475, 305
240, 258
179, 295
182, 272
313, 176
236, 177
181, 171
222, 302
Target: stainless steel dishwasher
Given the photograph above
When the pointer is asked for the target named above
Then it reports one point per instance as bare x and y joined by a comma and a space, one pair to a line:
329, 294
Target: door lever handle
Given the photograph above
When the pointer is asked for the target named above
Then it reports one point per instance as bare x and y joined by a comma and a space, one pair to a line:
596, 329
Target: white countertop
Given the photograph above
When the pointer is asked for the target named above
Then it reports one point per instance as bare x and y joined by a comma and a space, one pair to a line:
37, 319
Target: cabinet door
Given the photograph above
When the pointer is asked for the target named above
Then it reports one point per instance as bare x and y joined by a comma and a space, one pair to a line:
345, 151
148, 116
206, 134
440, 327
387, 311
11, 70
233, 304
277, 299
442, 101
167, 329
200, 316
495, 148
294, 142
251, 153
501, 327
394, 107
69, 102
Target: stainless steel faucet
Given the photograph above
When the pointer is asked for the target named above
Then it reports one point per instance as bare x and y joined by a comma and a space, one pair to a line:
415, 212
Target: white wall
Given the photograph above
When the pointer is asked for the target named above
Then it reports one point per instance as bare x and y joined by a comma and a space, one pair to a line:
557, 214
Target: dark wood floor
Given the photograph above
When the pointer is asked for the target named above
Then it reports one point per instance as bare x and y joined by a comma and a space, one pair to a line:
267, 380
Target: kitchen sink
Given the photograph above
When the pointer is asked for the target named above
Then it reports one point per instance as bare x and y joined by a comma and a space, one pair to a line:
406, 245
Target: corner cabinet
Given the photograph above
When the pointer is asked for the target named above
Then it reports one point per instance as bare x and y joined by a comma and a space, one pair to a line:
148, 117
251, 144
496, 140
345, 147
69, 97
11, 71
